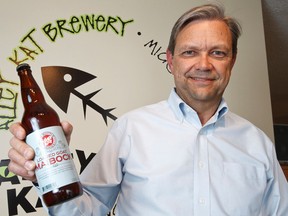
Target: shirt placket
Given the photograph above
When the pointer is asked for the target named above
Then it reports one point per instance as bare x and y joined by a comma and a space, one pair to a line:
201, 174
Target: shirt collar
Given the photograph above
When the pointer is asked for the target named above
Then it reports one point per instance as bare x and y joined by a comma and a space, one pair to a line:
184, 112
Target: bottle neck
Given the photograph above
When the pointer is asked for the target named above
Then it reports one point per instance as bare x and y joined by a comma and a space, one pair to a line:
30, 90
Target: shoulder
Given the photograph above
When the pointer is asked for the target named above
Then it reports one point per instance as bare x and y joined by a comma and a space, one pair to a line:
156, 109
146, 116
244, 126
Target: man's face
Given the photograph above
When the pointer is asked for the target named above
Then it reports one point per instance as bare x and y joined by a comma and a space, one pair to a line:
202, 61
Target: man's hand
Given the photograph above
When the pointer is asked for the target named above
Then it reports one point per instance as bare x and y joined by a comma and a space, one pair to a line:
21, 154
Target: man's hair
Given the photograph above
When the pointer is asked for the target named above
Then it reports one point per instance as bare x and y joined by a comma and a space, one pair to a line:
206, 12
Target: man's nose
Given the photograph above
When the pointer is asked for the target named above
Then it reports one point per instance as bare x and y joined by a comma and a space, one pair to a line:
204, 62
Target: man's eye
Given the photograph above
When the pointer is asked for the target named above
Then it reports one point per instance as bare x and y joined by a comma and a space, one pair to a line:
218, 53
189, 53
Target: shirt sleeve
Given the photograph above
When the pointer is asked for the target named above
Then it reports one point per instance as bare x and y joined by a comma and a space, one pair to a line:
275, 202
101, 179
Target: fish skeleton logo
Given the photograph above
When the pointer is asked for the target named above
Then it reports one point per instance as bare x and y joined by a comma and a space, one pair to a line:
59, 88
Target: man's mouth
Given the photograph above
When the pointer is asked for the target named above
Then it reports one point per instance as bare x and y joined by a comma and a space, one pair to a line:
202, 78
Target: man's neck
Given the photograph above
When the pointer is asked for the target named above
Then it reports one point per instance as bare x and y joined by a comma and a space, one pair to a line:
205, 110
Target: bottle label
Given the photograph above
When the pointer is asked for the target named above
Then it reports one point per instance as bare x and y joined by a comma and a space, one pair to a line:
54, 164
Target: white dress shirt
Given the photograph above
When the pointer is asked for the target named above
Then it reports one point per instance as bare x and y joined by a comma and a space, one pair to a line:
159, 160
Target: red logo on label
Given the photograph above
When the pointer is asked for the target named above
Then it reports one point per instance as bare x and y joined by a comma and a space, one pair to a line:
48, 139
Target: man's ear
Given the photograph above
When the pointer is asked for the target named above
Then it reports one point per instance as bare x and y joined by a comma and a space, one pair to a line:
169, 57
233, 60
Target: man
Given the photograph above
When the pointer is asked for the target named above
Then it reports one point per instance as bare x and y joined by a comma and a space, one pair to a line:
188, 155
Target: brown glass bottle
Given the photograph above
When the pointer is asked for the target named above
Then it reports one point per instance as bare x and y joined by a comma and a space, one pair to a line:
55, 171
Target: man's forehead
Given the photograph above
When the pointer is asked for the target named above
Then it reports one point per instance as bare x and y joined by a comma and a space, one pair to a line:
203, 30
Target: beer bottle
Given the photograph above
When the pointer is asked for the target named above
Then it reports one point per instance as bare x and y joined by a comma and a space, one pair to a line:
55, 171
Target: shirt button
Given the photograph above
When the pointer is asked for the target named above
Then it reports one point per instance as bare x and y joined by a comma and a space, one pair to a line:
201, 164
202, 201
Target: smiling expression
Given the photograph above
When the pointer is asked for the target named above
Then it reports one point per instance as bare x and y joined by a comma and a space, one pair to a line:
202, 61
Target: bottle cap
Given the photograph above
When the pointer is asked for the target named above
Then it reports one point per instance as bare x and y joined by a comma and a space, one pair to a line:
22, 65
